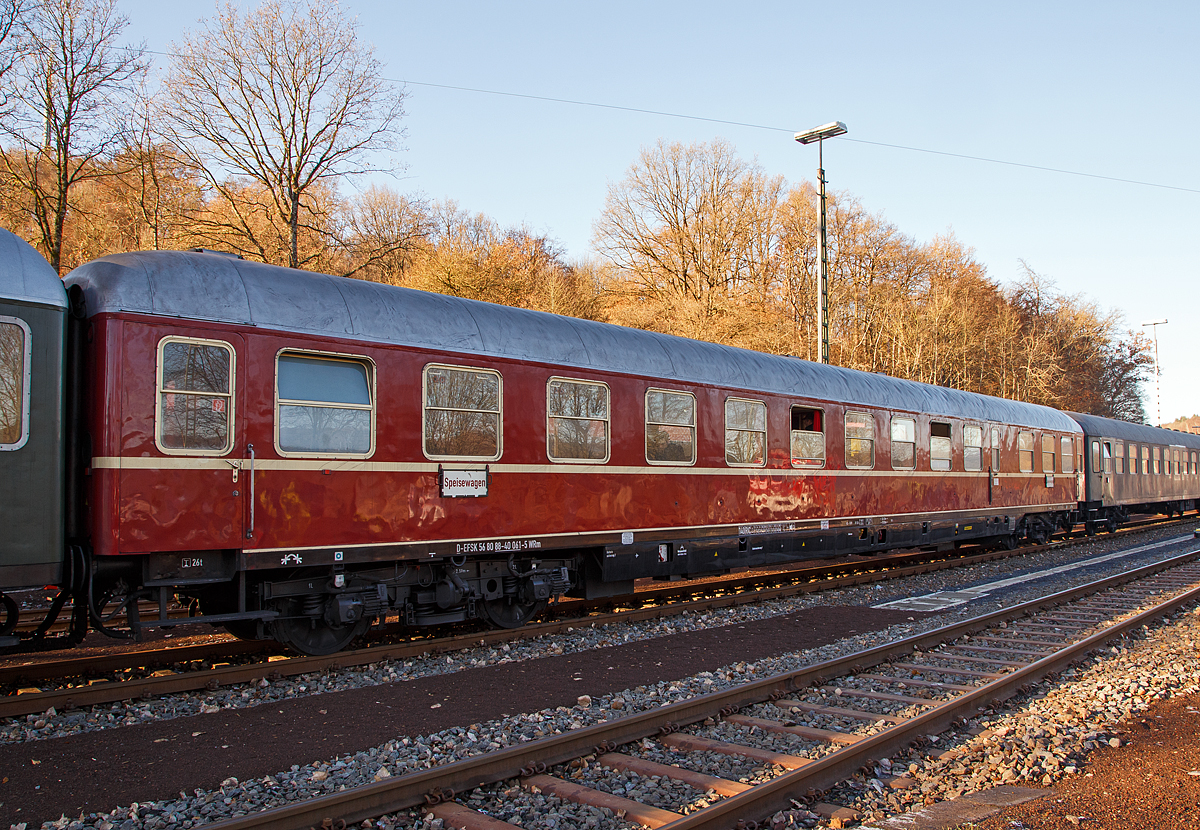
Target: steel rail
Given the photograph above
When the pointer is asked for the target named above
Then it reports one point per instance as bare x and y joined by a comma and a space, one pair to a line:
147, 687
412, 789
801, 581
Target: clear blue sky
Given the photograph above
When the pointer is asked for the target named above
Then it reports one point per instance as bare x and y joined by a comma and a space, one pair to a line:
1094, 87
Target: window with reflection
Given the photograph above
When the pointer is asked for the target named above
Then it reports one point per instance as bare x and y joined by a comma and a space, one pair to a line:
745, 433
996, 449
670, 427
972, 448
325, 405
1025, 451
1145, 460
1068, 456
1048, 454
14, 402
904, 443
195, 396
462, 413
808, 437
1158, 461
577, 425
939, 446
860, 440
1119, 457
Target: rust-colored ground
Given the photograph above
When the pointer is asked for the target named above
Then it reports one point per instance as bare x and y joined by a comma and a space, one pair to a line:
1152, 783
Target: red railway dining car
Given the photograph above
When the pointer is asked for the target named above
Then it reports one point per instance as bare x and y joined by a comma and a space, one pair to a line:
305, 453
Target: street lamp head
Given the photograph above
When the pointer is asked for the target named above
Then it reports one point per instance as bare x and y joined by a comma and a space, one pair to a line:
829, 130
1155, 323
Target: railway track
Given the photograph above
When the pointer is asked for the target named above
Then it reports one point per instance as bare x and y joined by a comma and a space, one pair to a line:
845, 712
165, 671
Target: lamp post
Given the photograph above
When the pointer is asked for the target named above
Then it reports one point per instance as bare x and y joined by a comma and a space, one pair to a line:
1154, 324
819, 134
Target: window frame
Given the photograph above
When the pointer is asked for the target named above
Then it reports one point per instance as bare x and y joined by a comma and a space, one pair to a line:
1021, 452
371, 389
1067, 448
893, 442
823, 432
231, 406
1118, 455
26, 379
607, 421
847, 439
949, 439
1052, 441
499, 411
978, 468
997, 440
763, 432
646, 423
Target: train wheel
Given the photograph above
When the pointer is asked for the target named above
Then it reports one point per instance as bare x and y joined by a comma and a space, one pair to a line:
507, 612
9, 614
315, 637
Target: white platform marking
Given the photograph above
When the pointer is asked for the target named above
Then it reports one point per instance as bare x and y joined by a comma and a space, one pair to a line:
940, 600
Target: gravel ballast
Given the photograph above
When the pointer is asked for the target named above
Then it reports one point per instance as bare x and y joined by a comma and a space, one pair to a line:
404, 753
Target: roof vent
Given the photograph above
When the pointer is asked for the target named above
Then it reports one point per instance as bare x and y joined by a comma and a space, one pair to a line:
218, 253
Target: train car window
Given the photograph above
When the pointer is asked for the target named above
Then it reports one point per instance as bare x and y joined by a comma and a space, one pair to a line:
1193, 468
860, 440
195, 396
972, 448
1068, 456
1119, 457
577, 420
670, 427
939, 446
1158, 461
1133, 460
1047, 453
324, 405
1145, 466
808, 437
996, 449
1175, 462
15, 355
463, 415
1025, 451
904, 443
745, 433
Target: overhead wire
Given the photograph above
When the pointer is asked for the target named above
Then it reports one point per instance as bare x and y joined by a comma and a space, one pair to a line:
750, 125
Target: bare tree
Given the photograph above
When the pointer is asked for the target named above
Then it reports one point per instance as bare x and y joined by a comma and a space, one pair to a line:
10, 14
284, 98
69, 84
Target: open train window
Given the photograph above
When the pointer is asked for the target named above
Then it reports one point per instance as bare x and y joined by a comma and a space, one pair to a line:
745, 433
1047, 453
577, 420
195, 396
324, 405
670, 427
1068, 456
972, 448
996, 449
860, 440
904, 444
939, 446
1119, 457
1025, 451
808, 437
463, 418
15, 356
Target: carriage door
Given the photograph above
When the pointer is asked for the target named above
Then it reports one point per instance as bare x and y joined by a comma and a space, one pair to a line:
1095, 474
1106, 471
200, 413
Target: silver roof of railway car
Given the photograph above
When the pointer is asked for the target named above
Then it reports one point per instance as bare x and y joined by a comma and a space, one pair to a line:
218, 287
25, 276
1126, 431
